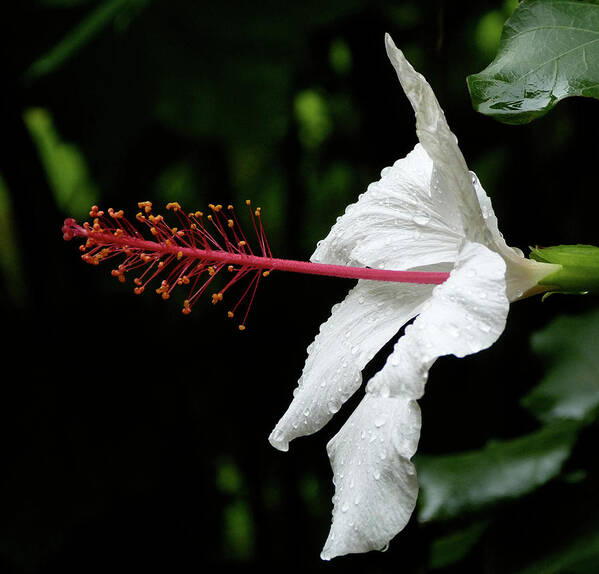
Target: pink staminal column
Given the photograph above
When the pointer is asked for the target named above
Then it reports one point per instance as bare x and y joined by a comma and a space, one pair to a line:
199, 249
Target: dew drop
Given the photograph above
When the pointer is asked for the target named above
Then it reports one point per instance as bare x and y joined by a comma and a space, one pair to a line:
421, 219
333, 407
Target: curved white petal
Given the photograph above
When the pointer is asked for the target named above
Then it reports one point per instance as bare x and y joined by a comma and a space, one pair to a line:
375, 482
453, 176
371, 454
466, 314
358, 327
398, 223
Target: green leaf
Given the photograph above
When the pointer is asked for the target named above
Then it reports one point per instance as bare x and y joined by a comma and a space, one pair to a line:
570, 388
456, 545
503, 470
65, 165
549, 50
82, 34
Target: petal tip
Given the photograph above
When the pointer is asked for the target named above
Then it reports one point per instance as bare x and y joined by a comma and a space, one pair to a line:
278, 440
393, 52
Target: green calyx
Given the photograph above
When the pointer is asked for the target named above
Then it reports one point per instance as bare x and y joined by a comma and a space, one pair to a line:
580, 268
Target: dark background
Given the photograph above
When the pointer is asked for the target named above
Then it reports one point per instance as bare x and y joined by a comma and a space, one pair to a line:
135, 438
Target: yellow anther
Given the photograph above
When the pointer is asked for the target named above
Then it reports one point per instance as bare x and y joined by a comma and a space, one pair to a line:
209, 217
230, 223
266, 274
211, 270
230, 268
153, 231
145, 205
230, 207
248, 202
241, 327
180, 255
173, 205
140, 217
257, 212
218, 207
242, 244
230, 314
199, 213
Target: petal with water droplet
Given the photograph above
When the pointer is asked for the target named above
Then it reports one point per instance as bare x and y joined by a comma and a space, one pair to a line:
383, 490
446, 319
440, 144
397, 223
346, 342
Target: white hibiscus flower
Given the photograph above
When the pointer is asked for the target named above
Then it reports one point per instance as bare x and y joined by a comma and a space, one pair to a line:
429, 212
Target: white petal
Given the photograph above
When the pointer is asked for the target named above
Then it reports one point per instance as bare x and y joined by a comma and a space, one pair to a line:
371, 454
375, 482
397, 223
440, 143
371, 314
465, 314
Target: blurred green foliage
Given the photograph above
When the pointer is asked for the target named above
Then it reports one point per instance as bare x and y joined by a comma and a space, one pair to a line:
65, 167
136, 436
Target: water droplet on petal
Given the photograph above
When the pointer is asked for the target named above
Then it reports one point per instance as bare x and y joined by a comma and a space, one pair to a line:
333, 407
421, 219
